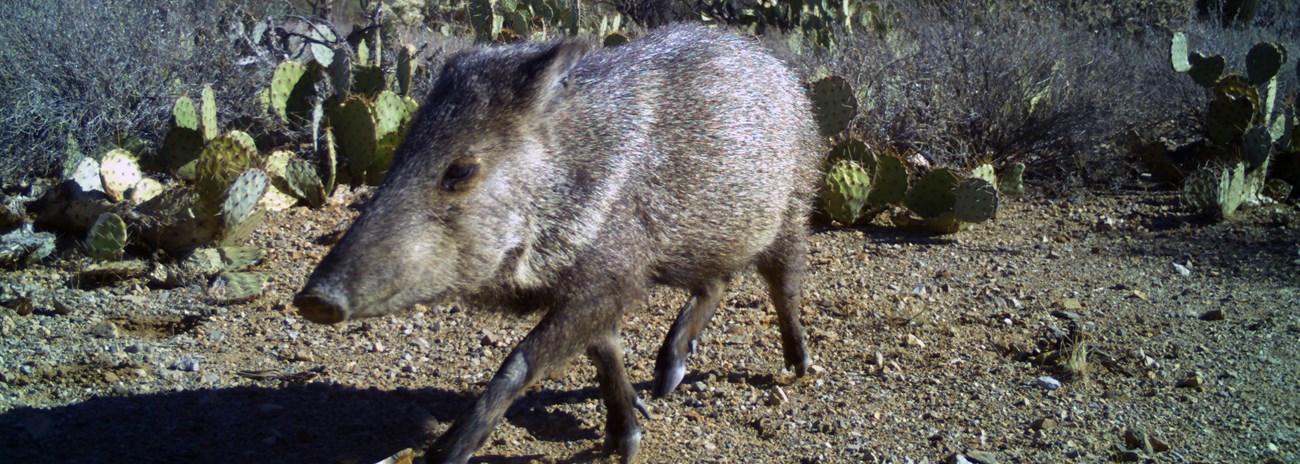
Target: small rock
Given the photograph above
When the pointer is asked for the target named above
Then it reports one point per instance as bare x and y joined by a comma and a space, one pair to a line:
958, 459
1193, 381
699, 387
187, 364
1048, 383
1182, 270
816, 370
377, 347
1127, 456
1158, 445
982, 457
1045, 423
878, 360
105, 329
1137, 440
1071, 304
914, 342
1212, 315
110, 377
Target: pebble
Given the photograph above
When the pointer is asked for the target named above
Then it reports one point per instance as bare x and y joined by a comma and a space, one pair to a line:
1045, 423
912, 341
1182, 270
1048, 383
187, 364
982, 457
1213, 315
1192, 381
105, 329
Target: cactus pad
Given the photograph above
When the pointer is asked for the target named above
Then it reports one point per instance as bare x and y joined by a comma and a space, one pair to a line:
889, 182
368, 80
181, 149
242, 197
1228, 117
354, 129
86, 176
1012, 180
220, 162
144, 190
406, 67
389, 111
1218, 191
208, 114
834, 104
847, 188
302, 182
384, 151
854, 150
331, 162
1178, 53
985, 171
932, 195
231, 287
283, 83
1255, 146
107, 238
1263, 61
184, 115
119, 172
240, 234
238, 258
1206, 69
976, 200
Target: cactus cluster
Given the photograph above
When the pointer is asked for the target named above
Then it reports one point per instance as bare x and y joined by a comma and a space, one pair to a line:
816, 21
1245, 129
515, 20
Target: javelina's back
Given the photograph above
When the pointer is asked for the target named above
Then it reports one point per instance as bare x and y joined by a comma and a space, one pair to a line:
543, 177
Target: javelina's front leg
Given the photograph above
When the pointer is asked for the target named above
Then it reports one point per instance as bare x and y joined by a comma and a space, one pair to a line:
562, 334
670, 365
622, 434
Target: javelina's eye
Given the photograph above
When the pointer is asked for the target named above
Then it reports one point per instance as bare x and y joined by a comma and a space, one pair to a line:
458, 175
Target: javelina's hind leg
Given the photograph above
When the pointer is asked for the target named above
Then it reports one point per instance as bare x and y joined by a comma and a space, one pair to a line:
622, 434
557, 338
783, 266
670, 365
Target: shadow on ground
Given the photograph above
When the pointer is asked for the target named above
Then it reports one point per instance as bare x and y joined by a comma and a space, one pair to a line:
317, 423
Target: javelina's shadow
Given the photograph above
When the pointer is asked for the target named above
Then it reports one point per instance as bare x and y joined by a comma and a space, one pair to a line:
315, 422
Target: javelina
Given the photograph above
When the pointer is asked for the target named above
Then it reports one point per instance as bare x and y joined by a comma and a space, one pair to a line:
551, 178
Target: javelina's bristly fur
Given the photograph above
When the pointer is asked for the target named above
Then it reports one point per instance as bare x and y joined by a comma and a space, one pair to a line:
548, 177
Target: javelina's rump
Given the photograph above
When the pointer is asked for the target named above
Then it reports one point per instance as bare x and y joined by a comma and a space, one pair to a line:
550, 178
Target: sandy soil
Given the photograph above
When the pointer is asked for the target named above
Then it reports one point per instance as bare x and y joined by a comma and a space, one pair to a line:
928, 346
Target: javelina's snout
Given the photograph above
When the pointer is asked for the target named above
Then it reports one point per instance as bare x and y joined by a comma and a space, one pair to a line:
320, 305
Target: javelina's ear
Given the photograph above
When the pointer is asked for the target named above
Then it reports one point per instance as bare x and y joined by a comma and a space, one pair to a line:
543, 74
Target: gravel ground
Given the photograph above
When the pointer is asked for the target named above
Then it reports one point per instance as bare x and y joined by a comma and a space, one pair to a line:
929, 349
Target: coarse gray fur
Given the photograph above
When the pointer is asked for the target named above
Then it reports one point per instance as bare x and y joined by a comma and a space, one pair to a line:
552, 178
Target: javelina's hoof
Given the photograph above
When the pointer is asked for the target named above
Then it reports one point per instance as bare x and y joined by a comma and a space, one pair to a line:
624, 443
668, 374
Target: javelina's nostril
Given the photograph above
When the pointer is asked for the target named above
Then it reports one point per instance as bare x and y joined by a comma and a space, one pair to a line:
318, 308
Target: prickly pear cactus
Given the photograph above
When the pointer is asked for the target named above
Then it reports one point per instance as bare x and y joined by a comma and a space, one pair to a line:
889, 182
242, 197
1217, 191
368, 80
985, 171
355, 129
220, 162
1178, 53
119, 172
976, 200
86, 176
1012, 180
834, 104
1228, 117
278, 197
1206, 69
283, 83
847, 188
406, 66
331, 162
184, 115
208, 114
1263, 62
107, 238
181, 149
144, 190
852, 149
303, 182
932, 195
239, 258
389, 112
232, 287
